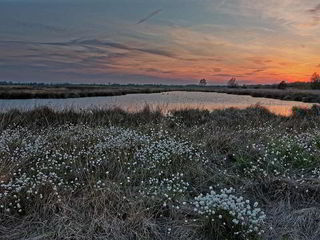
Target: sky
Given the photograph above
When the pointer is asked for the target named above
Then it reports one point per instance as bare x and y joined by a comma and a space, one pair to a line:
159, 41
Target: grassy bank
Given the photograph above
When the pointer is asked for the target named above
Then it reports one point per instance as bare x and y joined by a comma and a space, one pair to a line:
73, 91
110, 174
312, 96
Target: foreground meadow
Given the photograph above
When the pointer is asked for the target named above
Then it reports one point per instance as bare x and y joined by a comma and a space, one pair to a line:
194, 174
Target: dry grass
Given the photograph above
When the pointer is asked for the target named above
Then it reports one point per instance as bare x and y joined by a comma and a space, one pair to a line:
119, 212
302, 95
73, 91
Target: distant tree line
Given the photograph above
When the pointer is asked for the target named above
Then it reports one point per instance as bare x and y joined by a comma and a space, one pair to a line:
313, 84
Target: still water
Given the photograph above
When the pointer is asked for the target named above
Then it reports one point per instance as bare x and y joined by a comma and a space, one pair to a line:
165, 101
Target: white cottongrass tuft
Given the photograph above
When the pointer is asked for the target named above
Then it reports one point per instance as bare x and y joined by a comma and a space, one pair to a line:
228, 209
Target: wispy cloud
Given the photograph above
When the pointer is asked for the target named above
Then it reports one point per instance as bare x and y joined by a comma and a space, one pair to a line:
149, 16
315, 14
96, 42
315, 10
290, 15
40, 26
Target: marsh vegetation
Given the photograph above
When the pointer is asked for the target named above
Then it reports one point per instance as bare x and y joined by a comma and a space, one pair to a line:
293, 92
192, 174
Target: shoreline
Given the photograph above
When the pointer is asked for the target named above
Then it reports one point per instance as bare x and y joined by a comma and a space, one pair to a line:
31, 92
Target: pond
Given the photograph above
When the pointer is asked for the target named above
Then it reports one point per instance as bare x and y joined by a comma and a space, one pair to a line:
165, 101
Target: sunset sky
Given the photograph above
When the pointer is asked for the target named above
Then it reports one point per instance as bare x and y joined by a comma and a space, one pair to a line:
159, 41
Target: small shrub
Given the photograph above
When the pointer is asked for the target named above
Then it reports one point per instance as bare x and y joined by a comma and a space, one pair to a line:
282, 85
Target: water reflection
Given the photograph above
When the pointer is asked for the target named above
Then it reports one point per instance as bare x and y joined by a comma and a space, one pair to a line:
164, 101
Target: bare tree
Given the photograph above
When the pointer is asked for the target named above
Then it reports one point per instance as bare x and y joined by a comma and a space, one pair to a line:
203, 82
232, 83
315, 81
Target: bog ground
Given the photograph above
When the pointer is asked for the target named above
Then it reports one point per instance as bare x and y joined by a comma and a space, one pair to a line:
110, 174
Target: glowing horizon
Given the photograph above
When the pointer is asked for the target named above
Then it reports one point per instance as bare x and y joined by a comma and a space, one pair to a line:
163, 41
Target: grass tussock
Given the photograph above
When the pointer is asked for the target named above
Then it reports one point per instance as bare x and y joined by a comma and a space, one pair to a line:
191, 174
